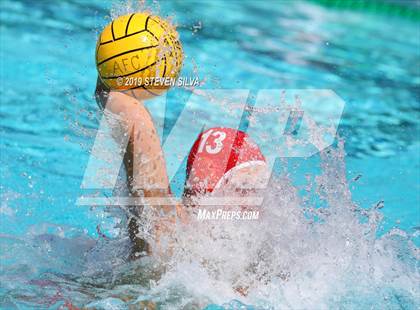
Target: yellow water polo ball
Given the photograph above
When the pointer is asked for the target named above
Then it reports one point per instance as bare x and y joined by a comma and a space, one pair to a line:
139, 54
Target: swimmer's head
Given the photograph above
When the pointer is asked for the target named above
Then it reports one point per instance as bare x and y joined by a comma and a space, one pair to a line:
225, 160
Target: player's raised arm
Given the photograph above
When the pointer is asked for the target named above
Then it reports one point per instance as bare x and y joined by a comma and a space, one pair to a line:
144, 160
135, 56
134, 53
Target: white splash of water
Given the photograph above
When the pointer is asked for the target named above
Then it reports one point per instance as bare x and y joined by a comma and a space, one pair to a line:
291, 257
295, 257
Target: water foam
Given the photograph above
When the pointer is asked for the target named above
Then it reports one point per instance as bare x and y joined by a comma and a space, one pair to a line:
291, 257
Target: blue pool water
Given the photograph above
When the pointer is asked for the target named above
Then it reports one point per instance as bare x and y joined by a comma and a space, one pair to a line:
49, 121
